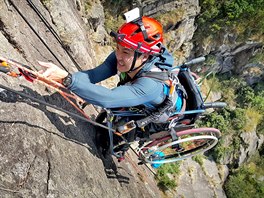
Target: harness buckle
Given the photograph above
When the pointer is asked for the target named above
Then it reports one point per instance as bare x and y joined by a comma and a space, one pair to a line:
127, 127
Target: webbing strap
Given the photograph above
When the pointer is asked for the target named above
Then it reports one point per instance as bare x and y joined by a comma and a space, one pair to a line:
142, 27
173, 134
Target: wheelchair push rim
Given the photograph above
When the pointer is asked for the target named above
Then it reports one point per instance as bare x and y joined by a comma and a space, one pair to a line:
190, 143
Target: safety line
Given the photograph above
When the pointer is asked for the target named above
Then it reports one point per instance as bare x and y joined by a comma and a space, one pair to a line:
54, 33
37, 35
54, 107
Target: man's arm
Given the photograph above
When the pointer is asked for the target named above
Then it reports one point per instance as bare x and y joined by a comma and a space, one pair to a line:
107, 69
143, 90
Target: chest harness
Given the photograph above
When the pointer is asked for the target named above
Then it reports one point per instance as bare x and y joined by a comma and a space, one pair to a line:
174, 91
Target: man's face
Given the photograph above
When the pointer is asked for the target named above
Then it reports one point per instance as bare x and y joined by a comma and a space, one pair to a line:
125, 58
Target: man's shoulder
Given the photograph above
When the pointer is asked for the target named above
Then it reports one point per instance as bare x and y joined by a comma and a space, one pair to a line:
146, 80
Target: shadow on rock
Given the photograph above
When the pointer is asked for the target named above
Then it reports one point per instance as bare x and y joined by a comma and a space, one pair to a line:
111, 170
73, 129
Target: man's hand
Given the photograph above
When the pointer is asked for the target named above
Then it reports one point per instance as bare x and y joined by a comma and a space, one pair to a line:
52, 71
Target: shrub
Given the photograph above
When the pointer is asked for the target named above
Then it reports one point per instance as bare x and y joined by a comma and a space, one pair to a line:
113, 13
46, 2
243, 185
253, 119
221, 151
246, 117
258, 101
162, 177
237, 15
198, 159
244, 182
245, 96
216, 120
238, 119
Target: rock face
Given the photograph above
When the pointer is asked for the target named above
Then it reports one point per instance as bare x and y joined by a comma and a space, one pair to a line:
232, 56
252, 143
201, 180
43, 152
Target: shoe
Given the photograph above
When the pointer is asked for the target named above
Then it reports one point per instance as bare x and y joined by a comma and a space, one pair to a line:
120, 159
157, 156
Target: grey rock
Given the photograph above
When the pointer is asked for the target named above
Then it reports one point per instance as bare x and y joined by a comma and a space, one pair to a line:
251, 143
43, 152
199, 181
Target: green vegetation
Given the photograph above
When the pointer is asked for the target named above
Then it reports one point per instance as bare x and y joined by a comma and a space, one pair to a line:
167, 21
244, 114
247, 181
167, 175
46, 3
114, 9
87, 6
243, 16
258, 57
246, 103
198, 159
168, 24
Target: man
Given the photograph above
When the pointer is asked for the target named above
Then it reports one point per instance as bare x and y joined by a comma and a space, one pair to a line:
139, 49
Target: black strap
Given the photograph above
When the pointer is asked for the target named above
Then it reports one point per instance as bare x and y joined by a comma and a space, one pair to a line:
4, 69
162, 76
136, 55
134, 62
143, 29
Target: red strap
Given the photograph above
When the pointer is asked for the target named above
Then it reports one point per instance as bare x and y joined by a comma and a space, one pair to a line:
27, 75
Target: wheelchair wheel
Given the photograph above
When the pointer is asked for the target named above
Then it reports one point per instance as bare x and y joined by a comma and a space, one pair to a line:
189, 143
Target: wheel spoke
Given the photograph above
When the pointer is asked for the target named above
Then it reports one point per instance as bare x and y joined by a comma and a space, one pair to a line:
190, 143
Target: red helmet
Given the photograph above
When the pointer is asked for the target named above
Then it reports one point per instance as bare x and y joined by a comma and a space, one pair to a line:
144, 35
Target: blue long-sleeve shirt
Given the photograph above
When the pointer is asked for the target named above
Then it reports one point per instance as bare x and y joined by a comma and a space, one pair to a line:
142, 90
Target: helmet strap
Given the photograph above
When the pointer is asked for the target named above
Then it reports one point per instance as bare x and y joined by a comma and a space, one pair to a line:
136, 55
133, 69
139, 22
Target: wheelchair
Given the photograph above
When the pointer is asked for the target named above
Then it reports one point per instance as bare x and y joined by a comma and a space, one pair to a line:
173, 140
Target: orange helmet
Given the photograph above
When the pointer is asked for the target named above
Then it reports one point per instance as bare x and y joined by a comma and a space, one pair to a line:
145, 35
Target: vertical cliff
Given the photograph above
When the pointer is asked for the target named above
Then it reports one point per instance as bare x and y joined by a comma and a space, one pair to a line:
43, 152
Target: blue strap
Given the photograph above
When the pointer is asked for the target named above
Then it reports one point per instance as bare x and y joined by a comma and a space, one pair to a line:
166, 90
179, 101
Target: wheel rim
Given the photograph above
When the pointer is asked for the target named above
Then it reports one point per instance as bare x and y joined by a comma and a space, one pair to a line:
206, 143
